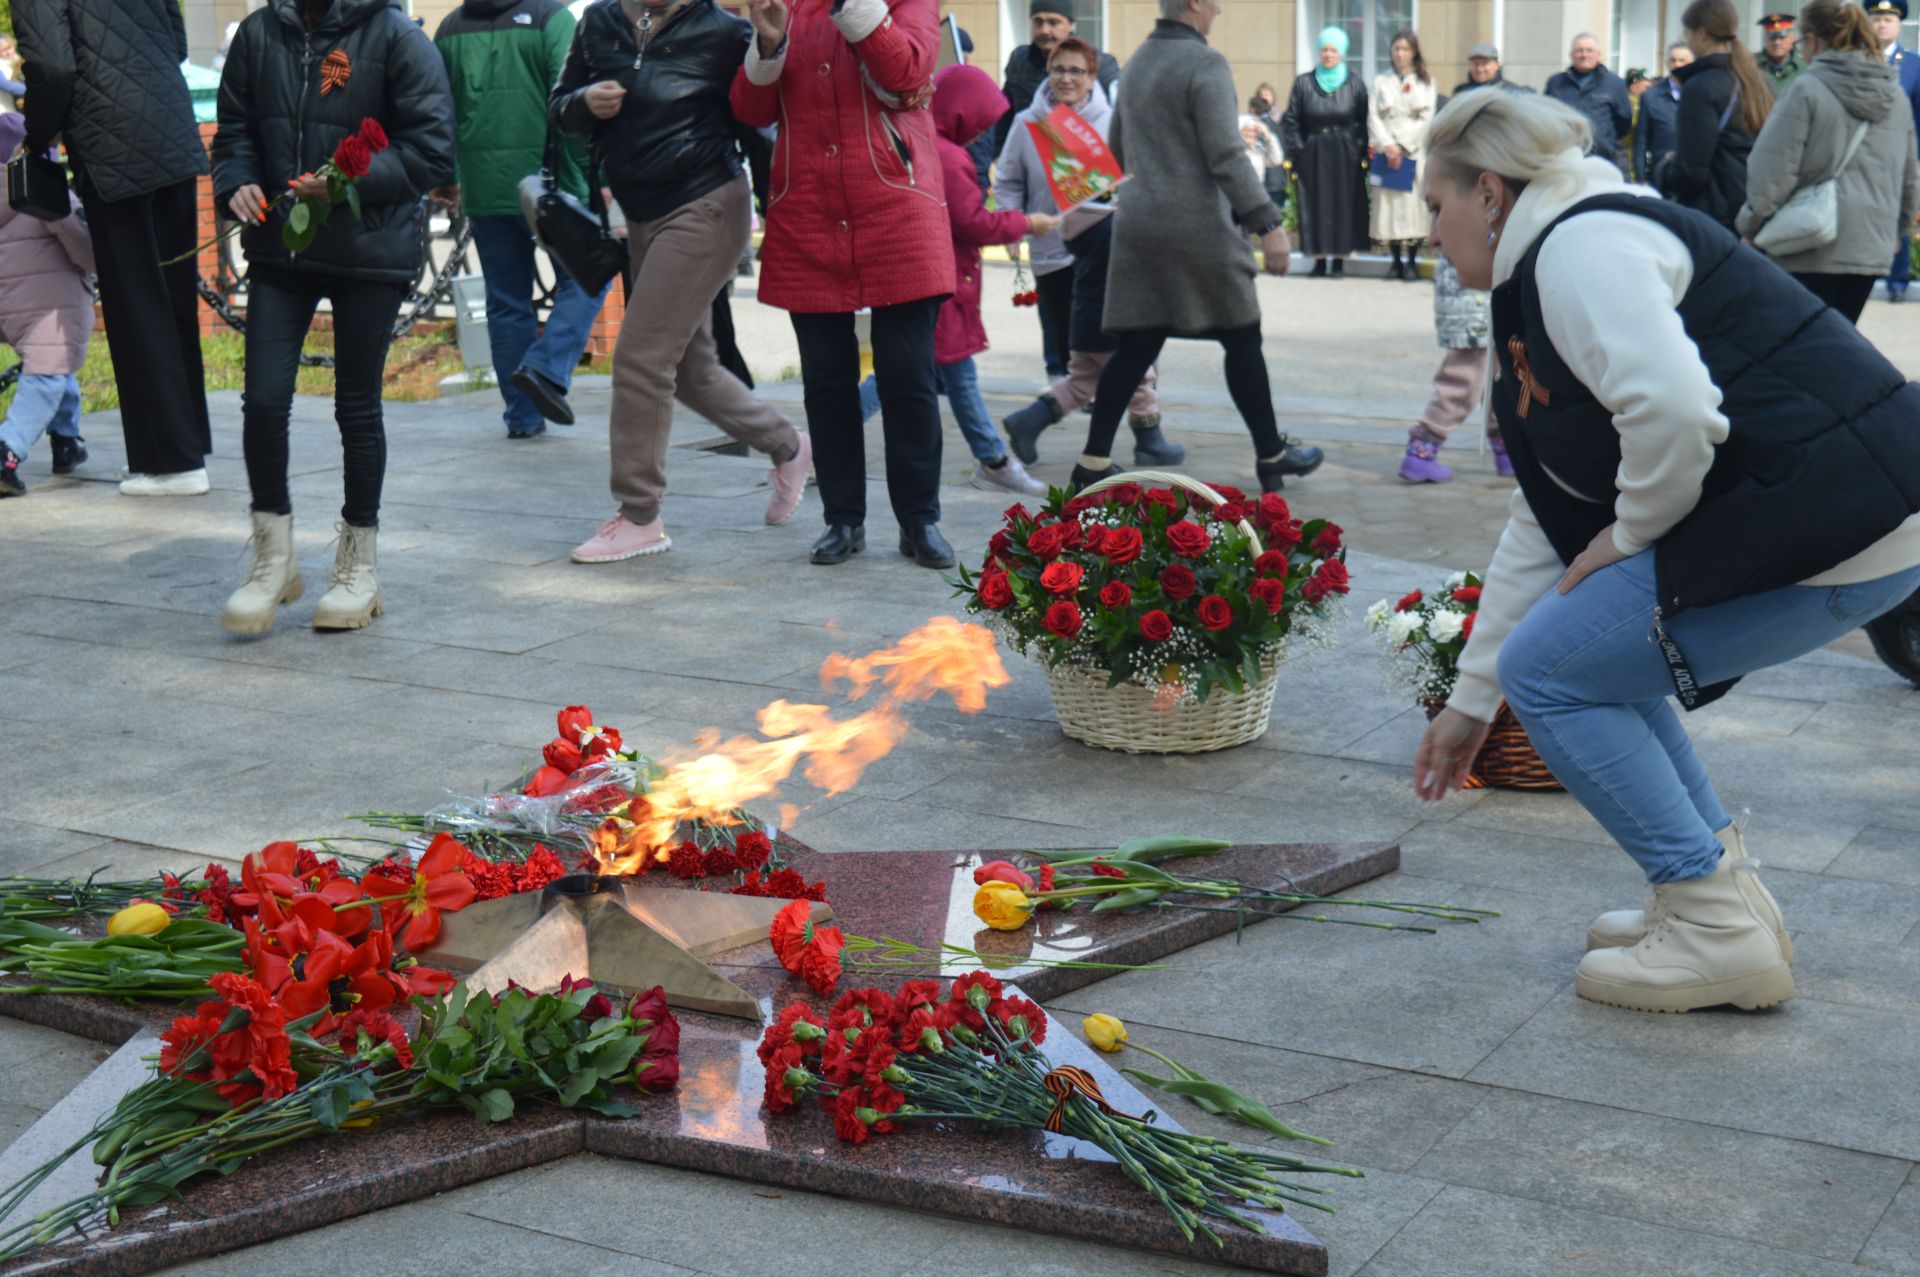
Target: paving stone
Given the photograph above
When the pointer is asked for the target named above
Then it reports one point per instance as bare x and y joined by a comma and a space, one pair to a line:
1880, 855
1895, 1244
23, 846
41, 1065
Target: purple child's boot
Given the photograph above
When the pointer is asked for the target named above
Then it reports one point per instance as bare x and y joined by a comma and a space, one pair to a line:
1502, 464
1422, 465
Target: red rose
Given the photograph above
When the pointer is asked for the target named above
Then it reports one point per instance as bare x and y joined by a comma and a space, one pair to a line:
1178, 580
1116, 594
1270, 590
1466, 627
1165, 498
1072, 540
1094, 539
1273, 510
1328, 542
373, 135
1228, 492
1215, 612
1000, 547
1063, 618
1047, 542
994, 590
1015, 513
353, 156
1231, 511
1334, 573
1271, 563
1078, 504
1189, 540
1411, 601
1467, 594
1156, 626
1124, 494
1283, 536
1122, 545
1061, 578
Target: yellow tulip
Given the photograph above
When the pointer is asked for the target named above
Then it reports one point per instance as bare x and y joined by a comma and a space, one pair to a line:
1105, 1032
1002, 906
139, 920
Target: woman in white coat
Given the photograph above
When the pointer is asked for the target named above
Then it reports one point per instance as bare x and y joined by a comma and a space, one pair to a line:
1398, 112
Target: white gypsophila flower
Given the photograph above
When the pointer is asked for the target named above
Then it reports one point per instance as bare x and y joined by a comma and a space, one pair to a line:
1445, 624
1455, 581
1404, 627
1378, 613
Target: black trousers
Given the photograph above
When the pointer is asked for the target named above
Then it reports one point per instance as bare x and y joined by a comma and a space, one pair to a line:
1247, 382
724, 339
1845, 293
153, 323
280, 306
909, 410
1056, 318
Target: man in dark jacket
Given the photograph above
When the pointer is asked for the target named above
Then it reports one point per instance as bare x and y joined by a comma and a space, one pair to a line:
502, 57
1657, 133
1051, 22
1597, 93
104, 77
1483, 72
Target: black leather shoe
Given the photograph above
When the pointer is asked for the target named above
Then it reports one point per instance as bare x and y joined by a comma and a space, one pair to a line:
546, 393
1337, 269
924, 545
840, 542
68, 452
1319, 270
1082, 477
1296, 459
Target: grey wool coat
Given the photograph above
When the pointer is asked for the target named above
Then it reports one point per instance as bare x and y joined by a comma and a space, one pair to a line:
1181, 258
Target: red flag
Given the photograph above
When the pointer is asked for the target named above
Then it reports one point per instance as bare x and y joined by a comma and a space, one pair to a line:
1080, 166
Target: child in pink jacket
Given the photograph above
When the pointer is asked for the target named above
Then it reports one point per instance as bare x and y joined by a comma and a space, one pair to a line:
46, 315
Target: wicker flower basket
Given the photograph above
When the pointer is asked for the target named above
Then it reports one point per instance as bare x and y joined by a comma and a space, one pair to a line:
1508, 759
1143, 720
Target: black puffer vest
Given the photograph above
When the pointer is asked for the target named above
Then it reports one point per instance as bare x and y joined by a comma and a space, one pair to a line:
1823, 455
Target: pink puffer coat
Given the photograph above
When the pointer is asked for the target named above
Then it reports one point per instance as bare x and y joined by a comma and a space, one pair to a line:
46, 304
856, 209
966, 103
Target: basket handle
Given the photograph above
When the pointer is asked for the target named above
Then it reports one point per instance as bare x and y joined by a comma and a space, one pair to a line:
1169, 479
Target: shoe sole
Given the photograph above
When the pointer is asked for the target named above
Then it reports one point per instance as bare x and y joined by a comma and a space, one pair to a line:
354, 622
937, 567
1750, 992
1597, 939
291, 594
543, 401
658, 547
187, 492
988, 485
1406, 478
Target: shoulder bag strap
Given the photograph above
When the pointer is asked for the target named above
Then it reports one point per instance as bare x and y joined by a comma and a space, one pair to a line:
1859, 136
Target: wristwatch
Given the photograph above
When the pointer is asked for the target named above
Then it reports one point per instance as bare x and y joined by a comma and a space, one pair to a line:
1267, 230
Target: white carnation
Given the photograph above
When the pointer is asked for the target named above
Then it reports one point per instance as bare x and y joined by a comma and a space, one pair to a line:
1378, 613
1445, 625
1403, 627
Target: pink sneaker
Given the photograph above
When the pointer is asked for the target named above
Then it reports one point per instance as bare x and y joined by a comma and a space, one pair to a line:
620, 538
790, 482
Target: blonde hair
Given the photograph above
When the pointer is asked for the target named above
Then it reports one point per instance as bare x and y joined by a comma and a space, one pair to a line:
1522, 137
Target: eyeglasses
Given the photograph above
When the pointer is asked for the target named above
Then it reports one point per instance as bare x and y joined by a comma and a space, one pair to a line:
1065, 72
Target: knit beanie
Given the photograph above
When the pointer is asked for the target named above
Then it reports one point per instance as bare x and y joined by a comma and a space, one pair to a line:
1062, 7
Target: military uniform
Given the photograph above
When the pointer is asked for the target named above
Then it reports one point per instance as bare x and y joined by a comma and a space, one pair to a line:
1906, 64
1780, 74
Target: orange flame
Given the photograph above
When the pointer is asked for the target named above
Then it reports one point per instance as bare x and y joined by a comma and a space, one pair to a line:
941, 656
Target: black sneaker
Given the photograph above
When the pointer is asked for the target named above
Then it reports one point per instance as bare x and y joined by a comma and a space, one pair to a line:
10, 484
547, 395
68, 453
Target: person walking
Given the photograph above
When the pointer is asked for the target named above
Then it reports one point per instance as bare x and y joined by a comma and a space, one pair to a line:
1324, 133
1590, 88
1182, 262
648, 81
1844, 121
1398, 112
857, 221
502, 57
1656, 133
1779, 57
1460, 325
46, 315
1724, 102
103, 76
1022, 185
1717, 474
1887, 17
300, 82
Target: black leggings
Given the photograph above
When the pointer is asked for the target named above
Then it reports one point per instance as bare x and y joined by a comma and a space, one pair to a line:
1845, 293
1246, 382
280, 306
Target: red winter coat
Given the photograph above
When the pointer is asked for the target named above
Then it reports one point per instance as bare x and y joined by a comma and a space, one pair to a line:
966, 103
850, 222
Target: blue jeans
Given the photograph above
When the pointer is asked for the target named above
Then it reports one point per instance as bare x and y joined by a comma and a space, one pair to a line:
1898, 277
42, 403
960, 383
1585, 678
506, 261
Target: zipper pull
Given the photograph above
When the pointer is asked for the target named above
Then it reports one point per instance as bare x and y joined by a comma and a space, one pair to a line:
644, 32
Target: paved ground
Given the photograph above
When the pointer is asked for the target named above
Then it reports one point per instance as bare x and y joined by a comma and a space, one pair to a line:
1508, 1129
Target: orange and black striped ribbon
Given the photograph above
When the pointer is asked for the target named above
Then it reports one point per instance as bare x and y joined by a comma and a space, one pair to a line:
335, 71
1065, 1082
1530, 390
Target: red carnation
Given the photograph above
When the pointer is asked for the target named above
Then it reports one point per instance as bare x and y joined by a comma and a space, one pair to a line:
1064, 619
1061, 578
1122, 545
752, 849
373, 135
1408, 602
1467, 594
1466, 627
1116, 594
1178, 580
1189, 540
1270, 590
1156, 626
685, 861
353, 157
788, 933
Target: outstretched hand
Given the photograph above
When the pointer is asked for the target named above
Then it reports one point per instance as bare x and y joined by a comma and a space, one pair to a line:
769, 18
1446, 754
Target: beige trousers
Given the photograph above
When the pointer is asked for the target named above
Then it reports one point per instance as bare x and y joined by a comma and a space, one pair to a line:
1456, 393
1083, 378
666, 349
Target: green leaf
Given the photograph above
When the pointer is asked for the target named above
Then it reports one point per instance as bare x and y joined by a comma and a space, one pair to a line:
353, 199
299, 217
329, 1107
1168, 847
494, 1105
1128, 899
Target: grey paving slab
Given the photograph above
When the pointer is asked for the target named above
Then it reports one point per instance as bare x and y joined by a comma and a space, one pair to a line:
122, 860
878, 824
1857, 910
1809, 1070
1880, 855
1833, 967
1465, 1232
15, 1118
1895, 1244
23, 846
1805, 1197
41, 1065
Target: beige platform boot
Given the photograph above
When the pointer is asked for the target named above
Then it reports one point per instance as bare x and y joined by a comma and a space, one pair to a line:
1622, 928
1713, 941
353, 597
273, 579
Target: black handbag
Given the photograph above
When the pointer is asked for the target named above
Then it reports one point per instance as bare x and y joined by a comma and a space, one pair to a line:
37, 186
579, 239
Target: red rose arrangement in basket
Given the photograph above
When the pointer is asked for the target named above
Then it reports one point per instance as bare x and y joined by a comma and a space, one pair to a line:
1158, 587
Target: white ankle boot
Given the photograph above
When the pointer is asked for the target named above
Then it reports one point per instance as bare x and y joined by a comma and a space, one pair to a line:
1622, 928
1713, 941
273, 579
353, 590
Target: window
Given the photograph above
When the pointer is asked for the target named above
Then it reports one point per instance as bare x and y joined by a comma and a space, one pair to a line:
1370, 26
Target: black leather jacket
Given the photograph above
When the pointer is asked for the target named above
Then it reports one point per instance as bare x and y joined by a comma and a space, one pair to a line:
675, 138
